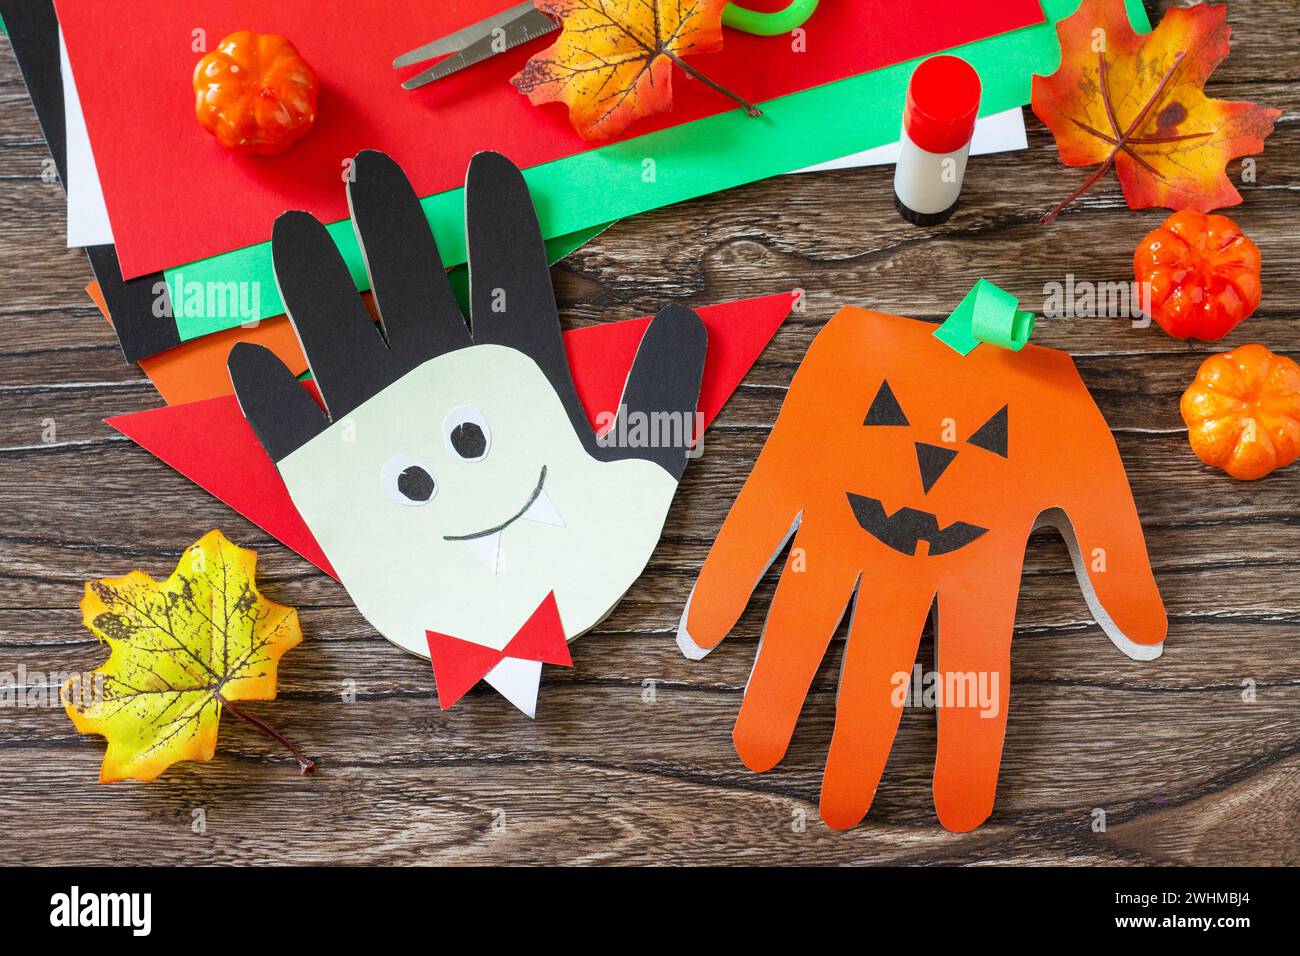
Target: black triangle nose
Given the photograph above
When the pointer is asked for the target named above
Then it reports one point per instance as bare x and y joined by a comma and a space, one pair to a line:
934, 461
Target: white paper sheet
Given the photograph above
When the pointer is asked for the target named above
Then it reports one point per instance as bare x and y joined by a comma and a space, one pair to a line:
997, 133
87, 215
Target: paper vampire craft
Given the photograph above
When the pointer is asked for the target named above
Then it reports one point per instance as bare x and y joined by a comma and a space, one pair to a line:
910, 474
453, 479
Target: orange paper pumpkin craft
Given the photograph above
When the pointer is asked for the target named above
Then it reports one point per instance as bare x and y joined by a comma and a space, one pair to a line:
255, 93
911, 475
1243, 412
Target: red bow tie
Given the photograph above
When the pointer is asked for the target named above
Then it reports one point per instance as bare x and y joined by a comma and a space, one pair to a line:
459, 664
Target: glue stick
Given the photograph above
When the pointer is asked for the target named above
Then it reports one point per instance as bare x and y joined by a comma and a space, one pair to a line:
943, 100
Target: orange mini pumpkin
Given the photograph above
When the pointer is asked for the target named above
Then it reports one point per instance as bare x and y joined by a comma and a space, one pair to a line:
255, 93
1202, 272
1243, 412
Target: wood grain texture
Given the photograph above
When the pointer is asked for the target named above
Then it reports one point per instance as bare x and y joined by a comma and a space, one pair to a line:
631, 760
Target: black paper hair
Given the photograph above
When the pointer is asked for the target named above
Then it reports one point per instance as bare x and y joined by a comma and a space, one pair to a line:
511, 304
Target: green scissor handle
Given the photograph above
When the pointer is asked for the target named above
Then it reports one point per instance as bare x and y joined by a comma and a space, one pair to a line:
795, 14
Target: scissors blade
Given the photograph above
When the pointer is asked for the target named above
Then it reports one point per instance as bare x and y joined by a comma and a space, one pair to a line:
462, 38
529, 26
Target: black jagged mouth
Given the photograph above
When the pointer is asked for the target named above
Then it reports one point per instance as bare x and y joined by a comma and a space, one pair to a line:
907, 527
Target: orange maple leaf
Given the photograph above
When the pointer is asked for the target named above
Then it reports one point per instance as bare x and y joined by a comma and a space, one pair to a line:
1135, 102
613, 63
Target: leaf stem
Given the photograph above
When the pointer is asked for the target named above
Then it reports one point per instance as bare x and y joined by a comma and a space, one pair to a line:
305, 764
748, 107
1088, 183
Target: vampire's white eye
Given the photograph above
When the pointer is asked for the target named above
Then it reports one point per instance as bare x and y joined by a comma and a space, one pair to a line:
466, 434
407, 481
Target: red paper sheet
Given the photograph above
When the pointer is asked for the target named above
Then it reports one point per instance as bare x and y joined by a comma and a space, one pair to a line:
174, 195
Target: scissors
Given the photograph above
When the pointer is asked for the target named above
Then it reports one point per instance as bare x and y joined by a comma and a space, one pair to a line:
525, 22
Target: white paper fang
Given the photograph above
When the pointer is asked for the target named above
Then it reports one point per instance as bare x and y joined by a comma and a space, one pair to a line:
485, 550
543, 510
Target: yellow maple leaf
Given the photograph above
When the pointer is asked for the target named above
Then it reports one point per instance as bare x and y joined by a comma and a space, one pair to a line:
181, 651
613, 63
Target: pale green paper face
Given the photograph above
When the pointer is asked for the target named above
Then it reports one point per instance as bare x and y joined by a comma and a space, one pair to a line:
415, 562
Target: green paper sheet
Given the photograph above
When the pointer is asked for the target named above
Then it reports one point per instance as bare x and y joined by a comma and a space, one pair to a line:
189, 315
691, 160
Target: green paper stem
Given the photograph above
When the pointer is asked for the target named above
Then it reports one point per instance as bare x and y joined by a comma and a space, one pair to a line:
988, 315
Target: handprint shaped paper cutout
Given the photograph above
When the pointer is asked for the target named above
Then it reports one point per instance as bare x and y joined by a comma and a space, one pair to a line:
453, 480
911, 475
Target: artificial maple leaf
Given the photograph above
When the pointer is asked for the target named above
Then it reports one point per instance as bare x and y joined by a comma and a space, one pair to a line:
613, 62
181, 651
1136, 102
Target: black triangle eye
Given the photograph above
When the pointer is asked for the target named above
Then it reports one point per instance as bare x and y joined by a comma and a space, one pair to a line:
992, 435
885, 409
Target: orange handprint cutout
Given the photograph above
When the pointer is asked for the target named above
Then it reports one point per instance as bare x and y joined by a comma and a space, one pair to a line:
911, 475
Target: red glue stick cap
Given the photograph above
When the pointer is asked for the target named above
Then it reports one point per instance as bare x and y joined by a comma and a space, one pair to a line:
943, 100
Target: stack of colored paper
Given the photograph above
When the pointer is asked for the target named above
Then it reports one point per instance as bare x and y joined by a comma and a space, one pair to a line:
178, 226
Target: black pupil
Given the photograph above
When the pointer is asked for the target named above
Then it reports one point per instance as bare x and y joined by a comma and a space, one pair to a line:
468, 440
415, 484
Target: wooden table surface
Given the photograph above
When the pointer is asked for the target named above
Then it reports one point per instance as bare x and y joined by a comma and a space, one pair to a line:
630, 759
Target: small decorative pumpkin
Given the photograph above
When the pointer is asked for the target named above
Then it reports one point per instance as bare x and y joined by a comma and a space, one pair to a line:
255, 93
1243, 412
1203, 274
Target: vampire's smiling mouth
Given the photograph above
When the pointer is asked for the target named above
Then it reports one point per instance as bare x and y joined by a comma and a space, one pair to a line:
906, 527
547, 514
485, 545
